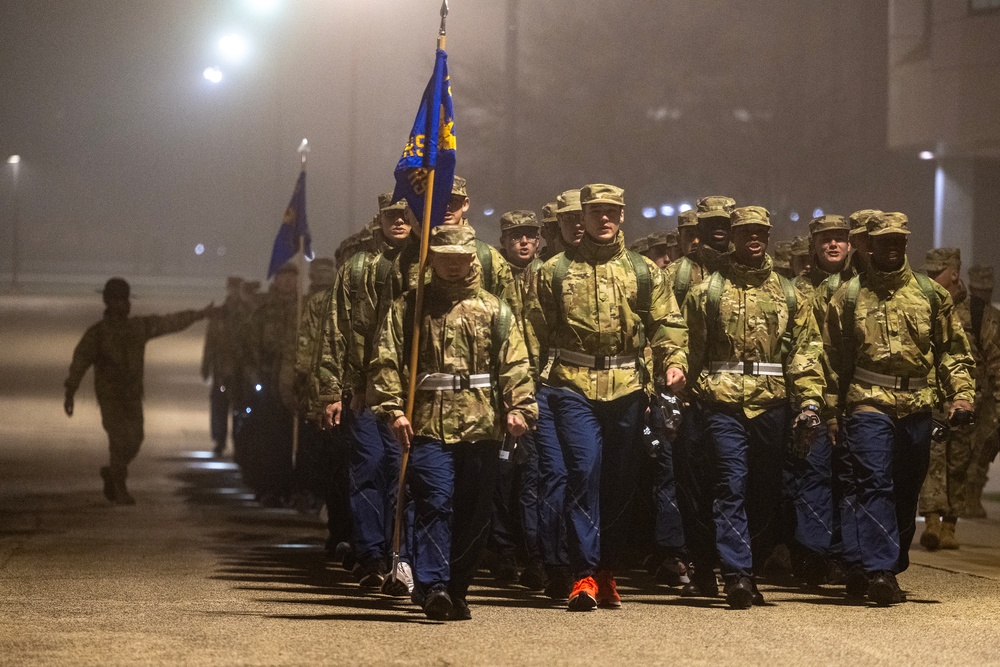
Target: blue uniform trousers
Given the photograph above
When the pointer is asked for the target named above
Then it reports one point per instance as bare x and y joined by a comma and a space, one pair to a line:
845, 498
749, 457
552, 476
374, 478
602, 447
815, 526
668, 529
515, 508
452, 488
694, 465
889, 457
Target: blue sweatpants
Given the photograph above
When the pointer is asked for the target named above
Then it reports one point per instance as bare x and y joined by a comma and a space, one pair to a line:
889, 457
552, 477
602, 447
749, 456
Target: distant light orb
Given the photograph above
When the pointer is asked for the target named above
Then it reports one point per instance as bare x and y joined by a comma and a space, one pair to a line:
248, 410
817, 212
667, 211
199, 249
14, 159
233, 47
212, 74
926, 155
488, 212
262, 7
794, 216
649, 212
684, 207
257, 387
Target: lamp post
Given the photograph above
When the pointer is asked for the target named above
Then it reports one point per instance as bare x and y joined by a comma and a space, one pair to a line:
15, 162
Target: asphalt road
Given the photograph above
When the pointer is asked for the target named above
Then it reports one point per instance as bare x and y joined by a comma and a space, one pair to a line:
197, 574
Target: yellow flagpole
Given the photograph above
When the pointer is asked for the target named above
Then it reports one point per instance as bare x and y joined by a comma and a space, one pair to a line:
411, 389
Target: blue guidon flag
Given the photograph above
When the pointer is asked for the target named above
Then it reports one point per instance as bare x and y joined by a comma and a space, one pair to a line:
293, 228
431, 146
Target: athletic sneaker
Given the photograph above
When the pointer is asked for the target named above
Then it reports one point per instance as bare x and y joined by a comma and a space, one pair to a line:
607, 591
401, 584
584, 595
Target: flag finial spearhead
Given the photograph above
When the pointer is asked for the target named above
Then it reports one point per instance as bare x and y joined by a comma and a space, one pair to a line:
444, 16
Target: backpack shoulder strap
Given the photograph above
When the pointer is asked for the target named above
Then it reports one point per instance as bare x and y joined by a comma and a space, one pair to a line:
847, 334
792, 303
682, 279
927, 287
559, 272
484, 252
643, 282
713, 303
356, 271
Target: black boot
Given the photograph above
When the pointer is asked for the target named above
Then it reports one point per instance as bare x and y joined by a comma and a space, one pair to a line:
884, 591
109, 484
739, 592
122, 496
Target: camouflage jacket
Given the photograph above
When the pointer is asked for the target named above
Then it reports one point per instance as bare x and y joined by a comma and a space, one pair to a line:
818, 284
271, 347
984, 345
703, 262
316, 385
752, 319
598, 316
356, 317
893, 335
221, 357
457, 338
116, 348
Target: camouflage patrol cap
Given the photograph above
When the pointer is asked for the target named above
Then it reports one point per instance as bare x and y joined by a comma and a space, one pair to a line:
512, 219
640, 246
458, 188
600, 193
825, 223
715, 207
887, 223
116, 288
549, 212
801, 246
783, 255
859, 220
673, 238
658, 238
453, 240
939, 259
569, 201
688, 218
750, 215
385, 203
981, 277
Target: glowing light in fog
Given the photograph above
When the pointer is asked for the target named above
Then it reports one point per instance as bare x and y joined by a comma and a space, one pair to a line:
649, 212
233, 47
212, 74
667, 211
199, 249
926, 155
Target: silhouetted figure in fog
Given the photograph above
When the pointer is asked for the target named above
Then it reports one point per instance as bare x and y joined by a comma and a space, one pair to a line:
116, 347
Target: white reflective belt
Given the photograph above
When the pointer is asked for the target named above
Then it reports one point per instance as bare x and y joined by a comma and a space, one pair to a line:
747, 368
446, 382
890, 381
597, 363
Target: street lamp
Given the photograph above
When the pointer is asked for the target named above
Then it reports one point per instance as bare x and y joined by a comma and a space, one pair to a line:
15, 163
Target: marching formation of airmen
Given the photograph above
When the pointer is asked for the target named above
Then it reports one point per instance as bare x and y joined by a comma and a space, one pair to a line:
690, 399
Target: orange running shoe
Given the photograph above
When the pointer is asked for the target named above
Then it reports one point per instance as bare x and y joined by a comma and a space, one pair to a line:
584, 595
607, 591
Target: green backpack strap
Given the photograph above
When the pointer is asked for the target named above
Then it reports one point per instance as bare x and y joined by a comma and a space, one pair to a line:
383, 268
484, 252
847, 333
713, 303
356, 271
832, 283
927, 287
682, 280
559, 272
643, 282
792, 303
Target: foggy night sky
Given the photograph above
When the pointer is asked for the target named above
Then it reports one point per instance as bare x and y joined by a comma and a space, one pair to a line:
131, 158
